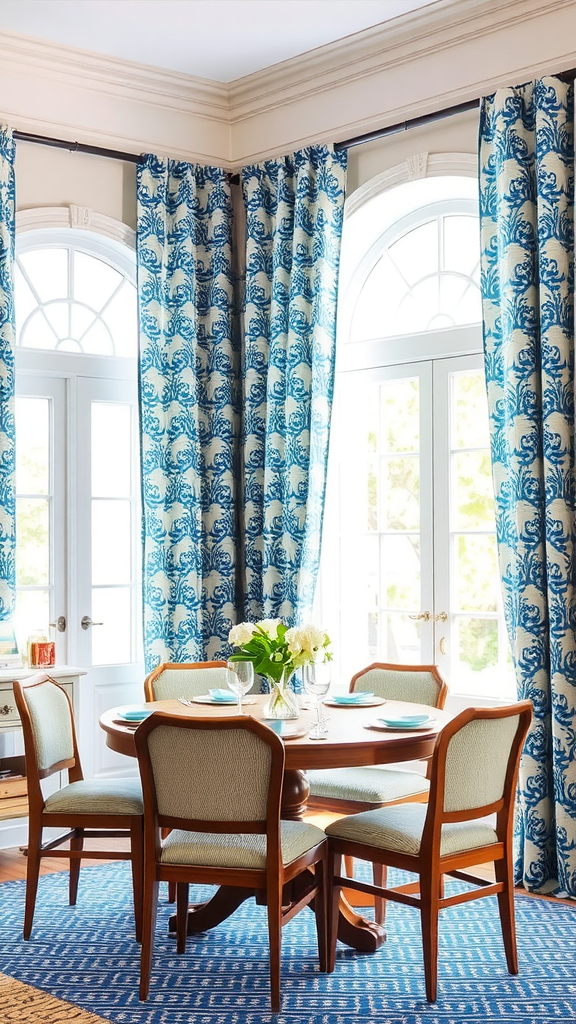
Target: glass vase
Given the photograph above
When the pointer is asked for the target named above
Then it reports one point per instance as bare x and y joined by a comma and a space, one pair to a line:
282, 702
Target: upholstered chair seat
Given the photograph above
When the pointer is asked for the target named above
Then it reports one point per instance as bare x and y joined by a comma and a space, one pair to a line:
370, 786
399, 829
468, 820
108, 796
212, 789
238, 850
345, 790
86, 809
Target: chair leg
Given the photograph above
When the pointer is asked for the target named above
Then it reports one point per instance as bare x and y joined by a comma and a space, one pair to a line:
504, 873
137, 858
321, 912
349, 866
429, 910
171, 892
379, 877
182, 889
150, 902
274, 894
76, 843
32, 873
333, 907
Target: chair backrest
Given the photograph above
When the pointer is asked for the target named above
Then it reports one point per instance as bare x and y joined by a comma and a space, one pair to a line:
211, 774
187, 679
48, 727
475, 765
418, 684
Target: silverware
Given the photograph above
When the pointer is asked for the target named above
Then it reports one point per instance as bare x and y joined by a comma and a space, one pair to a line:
186, 703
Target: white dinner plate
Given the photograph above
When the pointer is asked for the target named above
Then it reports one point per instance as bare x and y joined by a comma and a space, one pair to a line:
372, 702
205, 698
375, 724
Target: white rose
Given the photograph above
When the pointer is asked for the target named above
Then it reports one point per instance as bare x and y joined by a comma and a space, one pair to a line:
270, 627
241, 633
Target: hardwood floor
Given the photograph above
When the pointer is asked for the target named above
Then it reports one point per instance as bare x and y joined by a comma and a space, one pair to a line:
13, 861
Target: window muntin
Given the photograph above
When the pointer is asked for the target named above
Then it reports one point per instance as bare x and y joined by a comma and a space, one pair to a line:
418, 276
70, 300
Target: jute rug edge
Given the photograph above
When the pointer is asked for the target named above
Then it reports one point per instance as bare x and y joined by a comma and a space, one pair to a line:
22, 1004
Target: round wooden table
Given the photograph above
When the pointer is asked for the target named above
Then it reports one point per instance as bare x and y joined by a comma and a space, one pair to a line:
349, 744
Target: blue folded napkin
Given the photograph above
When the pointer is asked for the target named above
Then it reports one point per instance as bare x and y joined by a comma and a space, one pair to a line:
137, 715
353, 698
412, 720
224, 695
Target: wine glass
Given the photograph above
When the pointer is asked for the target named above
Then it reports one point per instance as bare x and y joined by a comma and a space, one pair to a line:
239, 677
317, 684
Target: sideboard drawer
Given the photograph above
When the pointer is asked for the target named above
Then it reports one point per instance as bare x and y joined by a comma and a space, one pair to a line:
9, 717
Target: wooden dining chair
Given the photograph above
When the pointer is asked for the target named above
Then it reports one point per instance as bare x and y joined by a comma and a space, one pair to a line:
217, 784
474, 774
171, 680
87, 809
348, 790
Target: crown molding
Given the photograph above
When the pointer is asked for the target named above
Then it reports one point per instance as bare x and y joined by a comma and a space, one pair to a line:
111, 75
406, 39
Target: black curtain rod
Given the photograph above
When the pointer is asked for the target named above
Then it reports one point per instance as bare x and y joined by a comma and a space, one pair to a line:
404, 126
436, 115
80, 147
76, 147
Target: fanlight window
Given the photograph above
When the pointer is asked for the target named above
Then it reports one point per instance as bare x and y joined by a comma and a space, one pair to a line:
68, 300
425, 278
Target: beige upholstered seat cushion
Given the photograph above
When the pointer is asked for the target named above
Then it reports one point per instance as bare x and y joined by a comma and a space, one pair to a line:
237, 851
400, 829
112, 796
367, 785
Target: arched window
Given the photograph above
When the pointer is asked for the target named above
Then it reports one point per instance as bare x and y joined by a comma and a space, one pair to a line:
77, 444
409, 563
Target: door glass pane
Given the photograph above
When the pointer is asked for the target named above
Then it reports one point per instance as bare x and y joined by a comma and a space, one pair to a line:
111, 641
399, 639
32, 450
111, 542
479, 647
111, 450
33, 551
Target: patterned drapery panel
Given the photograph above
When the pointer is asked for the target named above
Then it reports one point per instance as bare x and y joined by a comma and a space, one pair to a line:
527, 205
7, 431
294, 211
189, 368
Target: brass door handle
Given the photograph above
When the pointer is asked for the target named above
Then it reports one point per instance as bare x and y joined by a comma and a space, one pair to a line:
423, 615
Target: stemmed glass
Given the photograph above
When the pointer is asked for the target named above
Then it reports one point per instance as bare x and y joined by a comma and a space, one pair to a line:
240, 677
317, 684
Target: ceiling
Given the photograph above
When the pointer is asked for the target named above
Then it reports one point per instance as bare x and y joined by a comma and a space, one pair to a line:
220, 40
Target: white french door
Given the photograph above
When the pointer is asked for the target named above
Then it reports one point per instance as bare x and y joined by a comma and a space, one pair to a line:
409, 568
79, 524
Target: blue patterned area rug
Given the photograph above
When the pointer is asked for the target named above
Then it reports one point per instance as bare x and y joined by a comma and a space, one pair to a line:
87, 955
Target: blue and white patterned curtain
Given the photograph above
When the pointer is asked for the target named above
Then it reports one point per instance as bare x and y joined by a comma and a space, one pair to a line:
294, 222
7, 431
189, 409
527, 210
